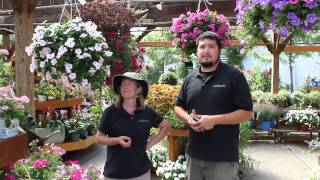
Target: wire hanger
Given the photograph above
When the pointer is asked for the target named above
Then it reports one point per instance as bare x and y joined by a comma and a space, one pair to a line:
64, 9
205, 3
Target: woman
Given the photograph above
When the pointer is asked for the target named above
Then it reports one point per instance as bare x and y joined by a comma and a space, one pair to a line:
125, 129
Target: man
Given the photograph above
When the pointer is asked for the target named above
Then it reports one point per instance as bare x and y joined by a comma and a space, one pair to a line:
213, 100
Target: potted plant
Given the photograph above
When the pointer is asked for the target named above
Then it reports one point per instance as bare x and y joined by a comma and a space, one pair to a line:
49, 127
303, 119
74, 129
267, 117
45, 163
173, 170
12, 112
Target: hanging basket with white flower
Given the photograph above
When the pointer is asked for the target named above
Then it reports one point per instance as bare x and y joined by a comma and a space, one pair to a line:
72, 52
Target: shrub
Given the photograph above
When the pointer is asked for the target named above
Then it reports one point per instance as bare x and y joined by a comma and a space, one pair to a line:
258, 79
168, 78
162, 98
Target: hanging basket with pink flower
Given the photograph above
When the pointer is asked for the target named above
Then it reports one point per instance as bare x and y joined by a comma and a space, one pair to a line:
189, 26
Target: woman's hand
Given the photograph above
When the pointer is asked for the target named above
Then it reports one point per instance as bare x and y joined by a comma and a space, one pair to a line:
124, 141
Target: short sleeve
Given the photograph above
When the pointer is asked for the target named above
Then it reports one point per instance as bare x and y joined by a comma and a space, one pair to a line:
182, 98
156, 118
105, 120
241, 92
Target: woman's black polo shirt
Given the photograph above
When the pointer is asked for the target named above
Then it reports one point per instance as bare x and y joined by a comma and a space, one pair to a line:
128, 162
224, 91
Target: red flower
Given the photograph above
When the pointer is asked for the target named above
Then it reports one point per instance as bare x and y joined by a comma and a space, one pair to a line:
111, 34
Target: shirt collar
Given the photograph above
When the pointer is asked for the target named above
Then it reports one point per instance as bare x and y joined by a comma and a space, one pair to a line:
219, 69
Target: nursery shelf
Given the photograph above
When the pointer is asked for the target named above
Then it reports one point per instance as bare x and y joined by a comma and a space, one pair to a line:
81, 144
58, 103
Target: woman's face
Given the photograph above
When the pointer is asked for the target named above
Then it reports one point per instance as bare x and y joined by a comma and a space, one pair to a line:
129, 88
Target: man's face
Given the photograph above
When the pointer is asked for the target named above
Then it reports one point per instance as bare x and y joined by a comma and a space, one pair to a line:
208, 53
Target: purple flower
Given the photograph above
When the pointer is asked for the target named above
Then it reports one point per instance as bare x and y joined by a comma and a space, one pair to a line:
263, 3
311, 5
295, 21
261, 24
311, 18
291, 15
40, 163
283, 32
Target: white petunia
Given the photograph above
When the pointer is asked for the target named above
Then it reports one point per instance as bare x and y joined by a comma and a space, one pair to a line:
72, 76
97, 65
98, 47
54, 61
42, 64
92, 71
78, 51
108, 53
68, 67
50, 56
70, 43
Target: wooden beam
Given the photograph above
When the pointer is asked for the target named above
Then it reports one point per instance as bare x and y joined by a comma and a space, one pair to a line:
6, 40
24, 30
288, 48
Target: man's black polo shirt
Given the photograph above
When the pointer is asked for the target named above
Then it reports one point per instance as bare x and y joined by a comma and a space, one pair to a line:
128, 162
224, 91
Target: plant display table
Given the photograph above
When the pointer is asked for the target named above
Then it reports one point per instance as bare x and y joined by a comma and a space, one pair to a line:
173, 136
13, 148
283, 135
81, 144
67, 104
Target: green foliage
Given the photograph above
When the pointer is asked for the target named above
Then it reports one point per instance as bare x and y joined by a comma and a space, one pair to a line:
267, 112
162, 98
182, 70
173, 121
6, 72
245, 162
258, 79
51, 90
168, 78
234, 56
158, 57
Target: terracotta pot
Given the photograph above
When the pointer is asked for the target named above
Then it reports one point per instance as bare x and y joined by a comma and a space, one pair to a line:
303, 127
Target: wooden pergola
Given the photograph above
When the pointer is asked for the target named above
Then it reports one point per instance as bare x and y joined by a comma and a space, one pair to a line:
21, 17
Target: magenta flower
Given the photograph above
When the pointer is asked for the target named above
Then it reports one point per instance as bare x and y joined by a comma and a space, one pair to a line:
40, 163
71, 162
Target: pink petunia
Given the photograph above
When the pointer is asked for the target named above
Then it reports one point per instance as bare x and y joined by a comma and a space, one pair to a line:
20, 106
40, 163
24, 99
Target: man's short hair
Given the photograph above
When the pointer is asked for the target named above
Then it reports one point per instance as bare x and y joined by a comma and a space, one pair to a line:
209, 35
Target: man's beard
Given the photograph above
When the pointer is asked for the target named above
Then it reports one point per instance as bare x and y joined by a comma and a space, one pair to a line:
209, 64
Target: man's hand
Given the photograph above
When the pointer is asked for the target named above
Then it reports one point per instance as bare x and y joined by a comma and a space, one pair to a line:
200, 123
193, 122
206, 122
125, 141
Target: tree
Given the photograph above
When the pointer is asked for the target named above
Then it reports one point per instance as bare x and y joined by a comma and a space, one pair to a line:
279, 20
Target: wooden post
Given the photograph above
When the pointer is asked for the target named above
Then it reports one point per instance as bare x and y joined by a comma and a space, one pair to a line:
24, 29
6, 40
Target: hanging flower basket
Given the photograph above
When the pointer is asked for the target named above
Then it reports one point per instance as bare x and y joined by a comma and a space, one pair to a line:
73, 52
189, 26
255, 18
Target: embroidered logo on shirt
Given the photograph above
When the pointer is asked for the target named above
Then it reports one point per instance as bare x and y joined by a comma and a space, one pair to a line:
143, 121
219, 85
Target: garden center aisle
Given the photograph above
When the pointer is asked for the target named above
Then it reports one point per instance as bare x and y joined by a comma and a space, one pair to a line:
275, 161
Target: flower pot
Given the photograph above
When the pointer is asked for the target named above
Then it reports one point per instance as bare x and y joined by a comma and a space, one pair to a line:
42, 98
51, 135
303, 127
91, 131
253, 124
84, 134
6, 132
74, 137
51, 98
266, 125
